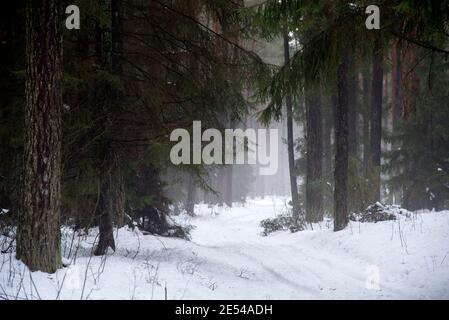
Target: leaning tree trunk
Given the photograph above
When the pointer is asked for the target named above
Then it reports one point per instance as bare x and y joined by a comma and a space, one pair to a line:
341, 152
38, 234
290, 144
314, 157
376, 112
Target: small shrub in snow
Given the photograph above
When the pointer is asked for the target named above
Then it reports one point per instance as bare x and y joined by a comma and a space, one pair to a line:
379, 212
179, 231
154, 221
282, 222
6, 223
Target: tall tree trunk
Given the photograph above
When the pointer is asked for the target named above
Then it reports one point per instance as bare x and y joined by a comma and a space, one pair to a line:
314, 157
228, 174
376, 111
228, 171
108, 203
352, 107
191, 196
220, 184
366, 119
117, 35
116, 66
410, 82
341, 152
290, 144
111, 207
327, 139
118, 194
38, 234
396, 75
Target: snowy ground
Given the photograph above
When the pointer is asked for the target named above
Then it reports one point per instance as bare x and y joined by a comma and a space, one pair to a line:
229, 259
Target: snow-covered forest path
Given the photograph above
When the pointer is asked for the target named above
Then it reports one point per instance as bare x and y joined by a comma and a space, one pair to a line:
228, 258
319, 263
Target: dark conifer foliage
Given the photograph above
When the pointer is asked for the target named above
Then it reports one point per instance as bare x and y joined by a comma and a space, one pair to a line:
351, 61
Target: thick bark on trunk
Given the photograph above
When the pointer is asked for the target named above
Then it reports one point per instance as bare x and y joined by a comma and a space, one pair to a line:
341, 152
314, 157
376, 112
290, 144
38, 234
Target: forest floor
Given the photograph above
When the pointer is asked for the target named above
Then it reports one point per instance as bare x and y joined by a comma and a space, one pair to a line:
228, 258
